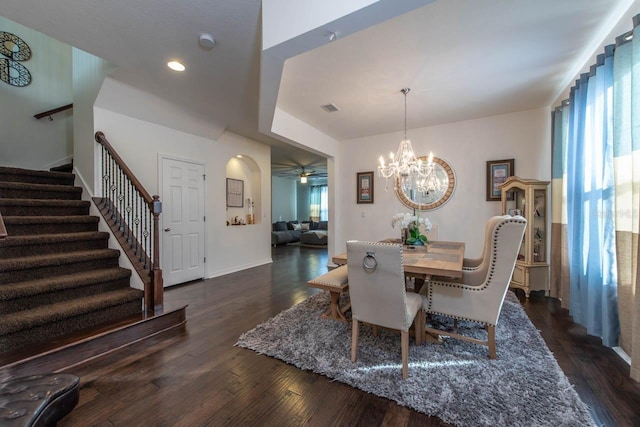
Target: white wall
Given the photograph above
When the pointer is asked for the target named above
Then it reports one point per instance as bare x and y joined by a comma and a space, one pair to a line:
466, 145
25, 141
89, 72
283, 199
227, 249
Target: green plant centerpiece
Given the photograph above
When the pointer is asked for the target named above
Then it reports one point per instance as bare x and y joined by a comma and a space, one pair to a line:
411, 228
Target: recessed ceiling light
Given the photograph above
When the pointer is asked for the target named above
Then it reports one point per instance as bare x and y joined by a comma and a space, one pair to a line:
239, 156
175, 66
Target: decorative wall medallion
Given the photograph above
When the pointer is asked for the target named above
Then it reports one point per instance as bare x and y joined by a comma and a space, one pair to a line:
14, 49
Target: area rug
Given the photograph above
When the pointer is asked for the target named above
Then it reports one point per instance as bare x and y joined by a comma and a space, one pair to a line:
454, 381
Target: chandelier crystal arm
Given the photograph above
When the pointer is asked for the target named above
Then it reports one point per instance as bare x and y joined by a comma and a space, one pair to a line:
405, 165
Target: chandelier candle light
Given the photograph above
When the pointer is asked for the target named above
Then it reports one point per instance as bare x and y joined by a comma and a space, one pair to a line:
404, 166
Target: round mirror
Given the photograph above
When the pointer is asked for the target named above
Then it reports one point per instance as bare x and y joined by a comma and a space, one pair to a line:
424, 196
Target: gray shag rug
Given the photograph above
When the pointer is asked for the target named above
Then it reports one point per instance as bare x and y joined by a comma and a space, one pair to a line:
454, 381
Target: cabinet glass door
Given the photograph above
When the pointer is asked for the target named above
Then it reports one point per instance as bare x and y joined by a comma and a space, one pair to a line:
539, 226
517, 205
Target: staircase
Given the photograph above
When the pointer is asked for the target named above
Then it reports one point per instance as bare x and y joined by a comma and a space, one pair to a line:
57, 274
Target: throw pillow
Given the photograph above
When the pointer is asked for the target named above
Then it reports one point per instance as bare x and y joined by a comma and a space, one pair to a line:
304, 226
323, 225
296, 226
280, 226
314, 225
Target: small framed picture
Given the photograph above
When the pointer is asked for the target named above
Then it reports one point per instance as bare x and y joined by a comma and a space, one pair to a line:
497, 173
235, 193
365, 187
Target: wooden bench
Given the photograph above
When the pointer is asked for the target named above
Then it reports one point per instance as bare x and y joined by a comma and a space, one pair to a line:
335, 282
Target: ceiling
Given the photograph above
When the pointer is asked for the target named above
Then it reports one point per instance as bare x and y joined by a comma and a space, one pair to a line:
462, 59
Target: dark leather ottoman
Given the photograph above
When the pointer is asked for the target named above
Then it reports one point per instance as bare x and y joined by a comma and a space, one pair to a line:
38, 400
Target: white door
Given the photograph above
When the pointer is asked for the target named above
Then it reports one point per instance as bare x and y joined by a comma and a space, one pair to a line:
182, 221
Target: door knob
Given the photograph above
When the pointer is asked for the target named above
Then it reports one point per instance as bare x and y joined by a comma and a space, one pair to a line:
167, 229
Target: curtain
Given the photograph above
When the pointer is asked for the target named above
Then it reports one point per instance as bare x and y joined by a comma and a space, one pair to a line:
590, 198
596, 199
319, 203
627, 177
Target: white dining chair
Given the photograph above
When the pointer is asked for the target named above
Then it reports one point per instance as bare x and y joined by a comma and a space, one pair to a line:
378, 295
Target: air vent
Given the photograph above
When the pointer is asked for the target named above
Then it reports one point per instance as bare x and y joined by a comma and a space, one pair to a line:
330, 108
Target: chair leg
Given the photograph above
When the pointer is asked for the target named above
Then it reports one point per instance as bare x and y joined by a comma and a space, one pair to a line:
491, 333
354, 339
420, 323
404, 342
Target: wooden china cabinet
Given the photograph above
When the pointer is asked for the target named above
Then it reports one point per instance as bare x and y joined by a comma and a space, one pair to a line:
528, 197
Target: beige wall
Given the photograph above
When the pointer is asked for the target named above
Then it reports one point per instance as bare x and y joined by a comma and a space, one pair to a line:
25, 141
466, 145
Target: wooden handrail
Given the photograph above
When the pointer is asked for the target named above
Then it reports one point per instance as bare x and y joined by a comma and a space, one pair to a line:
154, 291
3, 229
102, 140
49, 113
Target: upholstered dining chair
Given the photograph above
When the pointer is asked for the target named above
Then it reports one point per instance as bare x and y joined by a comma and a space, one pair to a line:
479, 294
475, 264
378, 296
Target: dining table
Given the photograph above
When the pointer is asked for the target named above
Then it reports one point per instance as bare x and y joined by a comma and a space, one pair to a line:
437, 258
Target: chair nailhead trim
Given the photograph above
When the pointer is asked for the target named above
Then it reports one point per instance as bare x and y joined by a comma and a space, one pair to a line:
486, 283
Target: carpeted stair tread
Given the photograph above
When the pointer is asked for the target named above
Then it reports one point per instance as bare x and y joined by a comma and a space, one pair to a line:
36, 261
67, 219
36, 176
33, 225
26, 319
67, 167
21, 246
68, 281
43, 207
50, 239
38, 203
39, 191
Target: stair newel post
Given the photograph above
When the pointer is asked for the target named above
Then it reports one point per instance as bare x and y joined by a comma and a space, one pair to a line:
157, 282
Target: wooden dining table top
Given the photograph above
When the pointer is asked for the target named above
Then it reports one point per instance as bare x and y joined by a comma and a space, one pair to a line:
438, 258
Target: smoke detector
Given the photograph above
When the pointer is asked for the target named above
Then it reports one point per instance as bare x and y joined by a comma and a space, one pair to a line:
206, 41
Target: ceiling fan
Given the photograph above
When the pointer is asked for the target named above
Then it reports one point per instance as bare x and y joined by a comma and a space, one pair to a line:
298, 171
304, 175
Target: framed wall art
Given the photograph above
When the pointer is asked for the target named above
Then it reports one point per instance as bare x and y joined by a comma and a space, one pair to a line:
365, 187
497, 172
235, 193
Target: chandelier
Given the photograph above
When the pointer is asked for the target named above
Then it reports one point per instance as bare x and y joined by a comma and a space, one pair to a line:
431, 182
408, 171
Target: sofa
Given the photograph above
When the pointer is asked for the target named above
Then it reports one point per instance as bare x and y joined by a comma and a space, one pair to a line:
306, 232
317, 235
284, 232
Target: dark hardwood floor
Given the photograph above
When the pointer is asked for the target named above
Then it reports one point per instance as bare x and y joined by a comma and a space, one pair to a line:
196, 377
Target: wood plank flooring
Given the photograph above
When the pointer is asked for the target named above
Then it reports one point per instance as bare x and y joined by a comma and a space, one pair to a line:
196, 377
